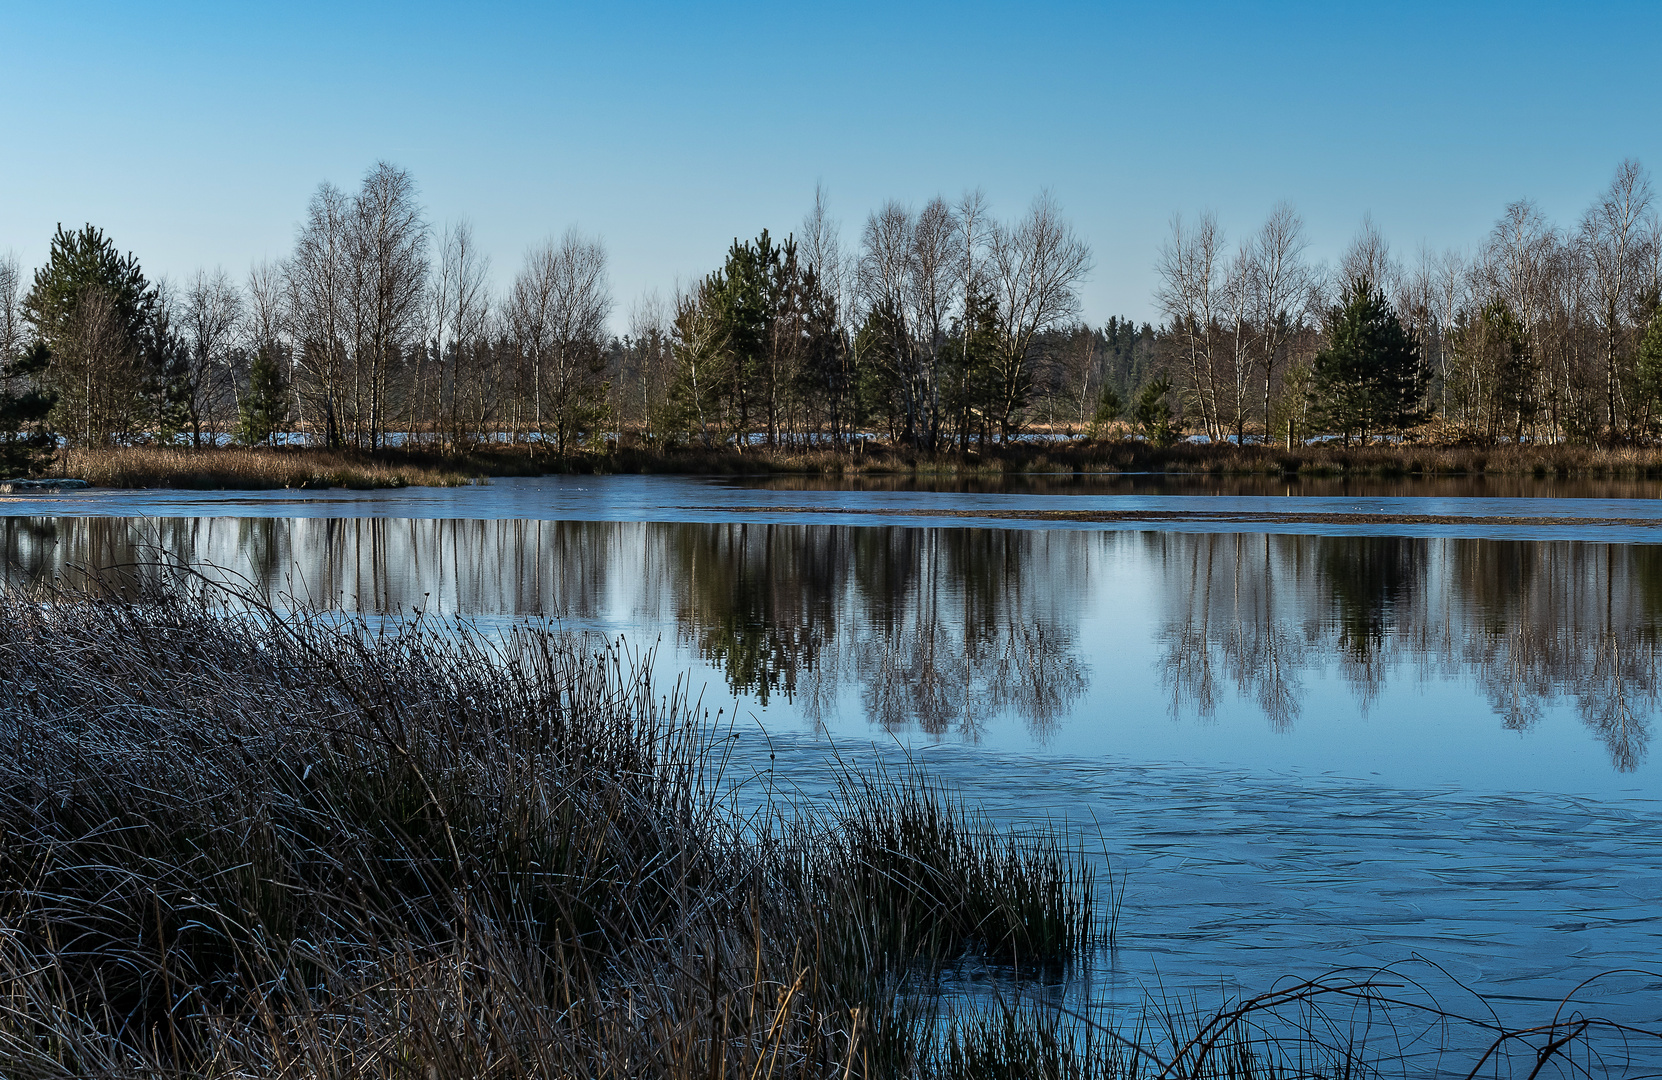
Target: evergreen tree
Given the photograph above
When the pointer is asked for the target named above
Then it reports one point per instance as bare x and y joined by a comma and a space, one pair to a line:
164, 365
26, 442
1151, 412
827, 370
93, 310
970, 363
879, 383
264, 408
1109, 409
1648, 369
1371, 377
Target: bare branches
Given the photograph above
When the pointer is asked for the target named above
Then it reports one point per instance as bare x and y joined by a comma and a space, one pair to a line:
389, 243
1368, 258
211, 317
1612, 238
11, 311
356, 284
319, 280
459, 313
1035, 267
556, 315
1188, 296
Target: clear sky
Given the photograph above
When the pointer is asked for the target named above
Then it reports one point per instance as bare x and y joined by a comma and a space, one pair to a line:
194, 133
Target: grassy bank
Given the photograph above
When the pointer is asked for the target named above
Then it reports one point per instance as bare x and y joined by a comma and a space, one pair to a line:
237, 844
252, 845
1128, 456
171, 467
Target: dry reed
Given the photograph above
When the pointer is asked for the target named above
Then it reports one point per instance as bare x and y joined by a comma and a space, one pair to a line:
239, 843
256, 468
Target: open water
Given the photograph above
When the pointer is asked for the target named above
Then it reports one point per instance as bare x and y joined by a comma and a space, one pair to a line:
1304, 726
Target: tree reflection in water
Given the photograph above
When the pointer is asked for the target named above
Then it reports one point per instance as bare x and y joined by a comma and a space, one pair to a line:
944, 630
1528, 623
937, 629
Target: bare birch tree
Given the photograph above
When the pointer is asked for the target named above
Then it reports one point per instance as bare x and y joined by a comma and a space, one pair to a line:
650, 367
934, 275
1612, 238
1035, 266
11, 312
887, 249
459, 308
212, 314
1368, 258
319, 284
390, 246
836, 274
1284, 290
557, 312
1188, 295
97, 372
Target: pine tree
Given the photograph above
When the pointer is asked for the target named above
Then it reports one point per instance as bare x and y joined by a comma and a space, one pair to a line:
264, 408
93, 310
1648, 370
26, 442
1152, 414
1371, 377
1109, 406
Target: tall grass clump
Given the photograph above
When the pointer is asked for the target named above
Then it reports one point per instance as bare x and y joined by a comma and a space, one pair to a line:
904, 863
236, 842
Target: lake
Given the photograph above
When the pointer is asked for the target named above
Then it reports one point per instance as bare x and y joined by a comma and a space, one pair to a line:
1308, 724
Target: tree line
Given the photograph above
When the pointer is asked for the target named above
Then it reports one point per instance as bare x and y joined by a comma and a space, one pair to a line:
940, 328
1543, 333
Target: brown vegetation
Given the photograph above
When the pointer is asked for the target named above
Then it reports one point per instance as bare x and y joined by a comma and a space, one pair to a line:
260, 467
250, 844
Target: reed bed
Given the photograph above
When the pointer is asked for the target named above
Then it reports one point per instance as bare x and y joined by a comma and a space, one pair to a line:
257, 468
240, 843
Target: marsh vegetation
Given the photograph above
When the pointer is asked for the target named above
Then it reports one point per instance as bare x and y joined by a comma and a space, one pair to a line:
238, 843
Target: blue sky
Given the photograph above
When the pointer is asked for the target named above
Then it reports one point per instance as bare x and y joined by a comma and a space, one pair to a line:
195, 133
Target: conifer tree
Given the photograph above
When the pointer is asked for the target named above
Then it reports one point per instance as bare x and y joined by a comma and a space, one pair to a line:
26, 442
1371, 377
1152, 414
93, 310
264, 409
1648, 370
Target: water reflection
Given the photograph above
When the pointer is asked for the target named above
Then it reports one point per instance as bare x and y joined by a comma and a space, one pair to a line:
945, 630
1528, 624
938, 629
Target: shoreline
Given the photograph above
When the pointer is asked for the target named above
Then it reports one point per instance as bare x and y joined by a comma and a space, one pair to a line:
257, 468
